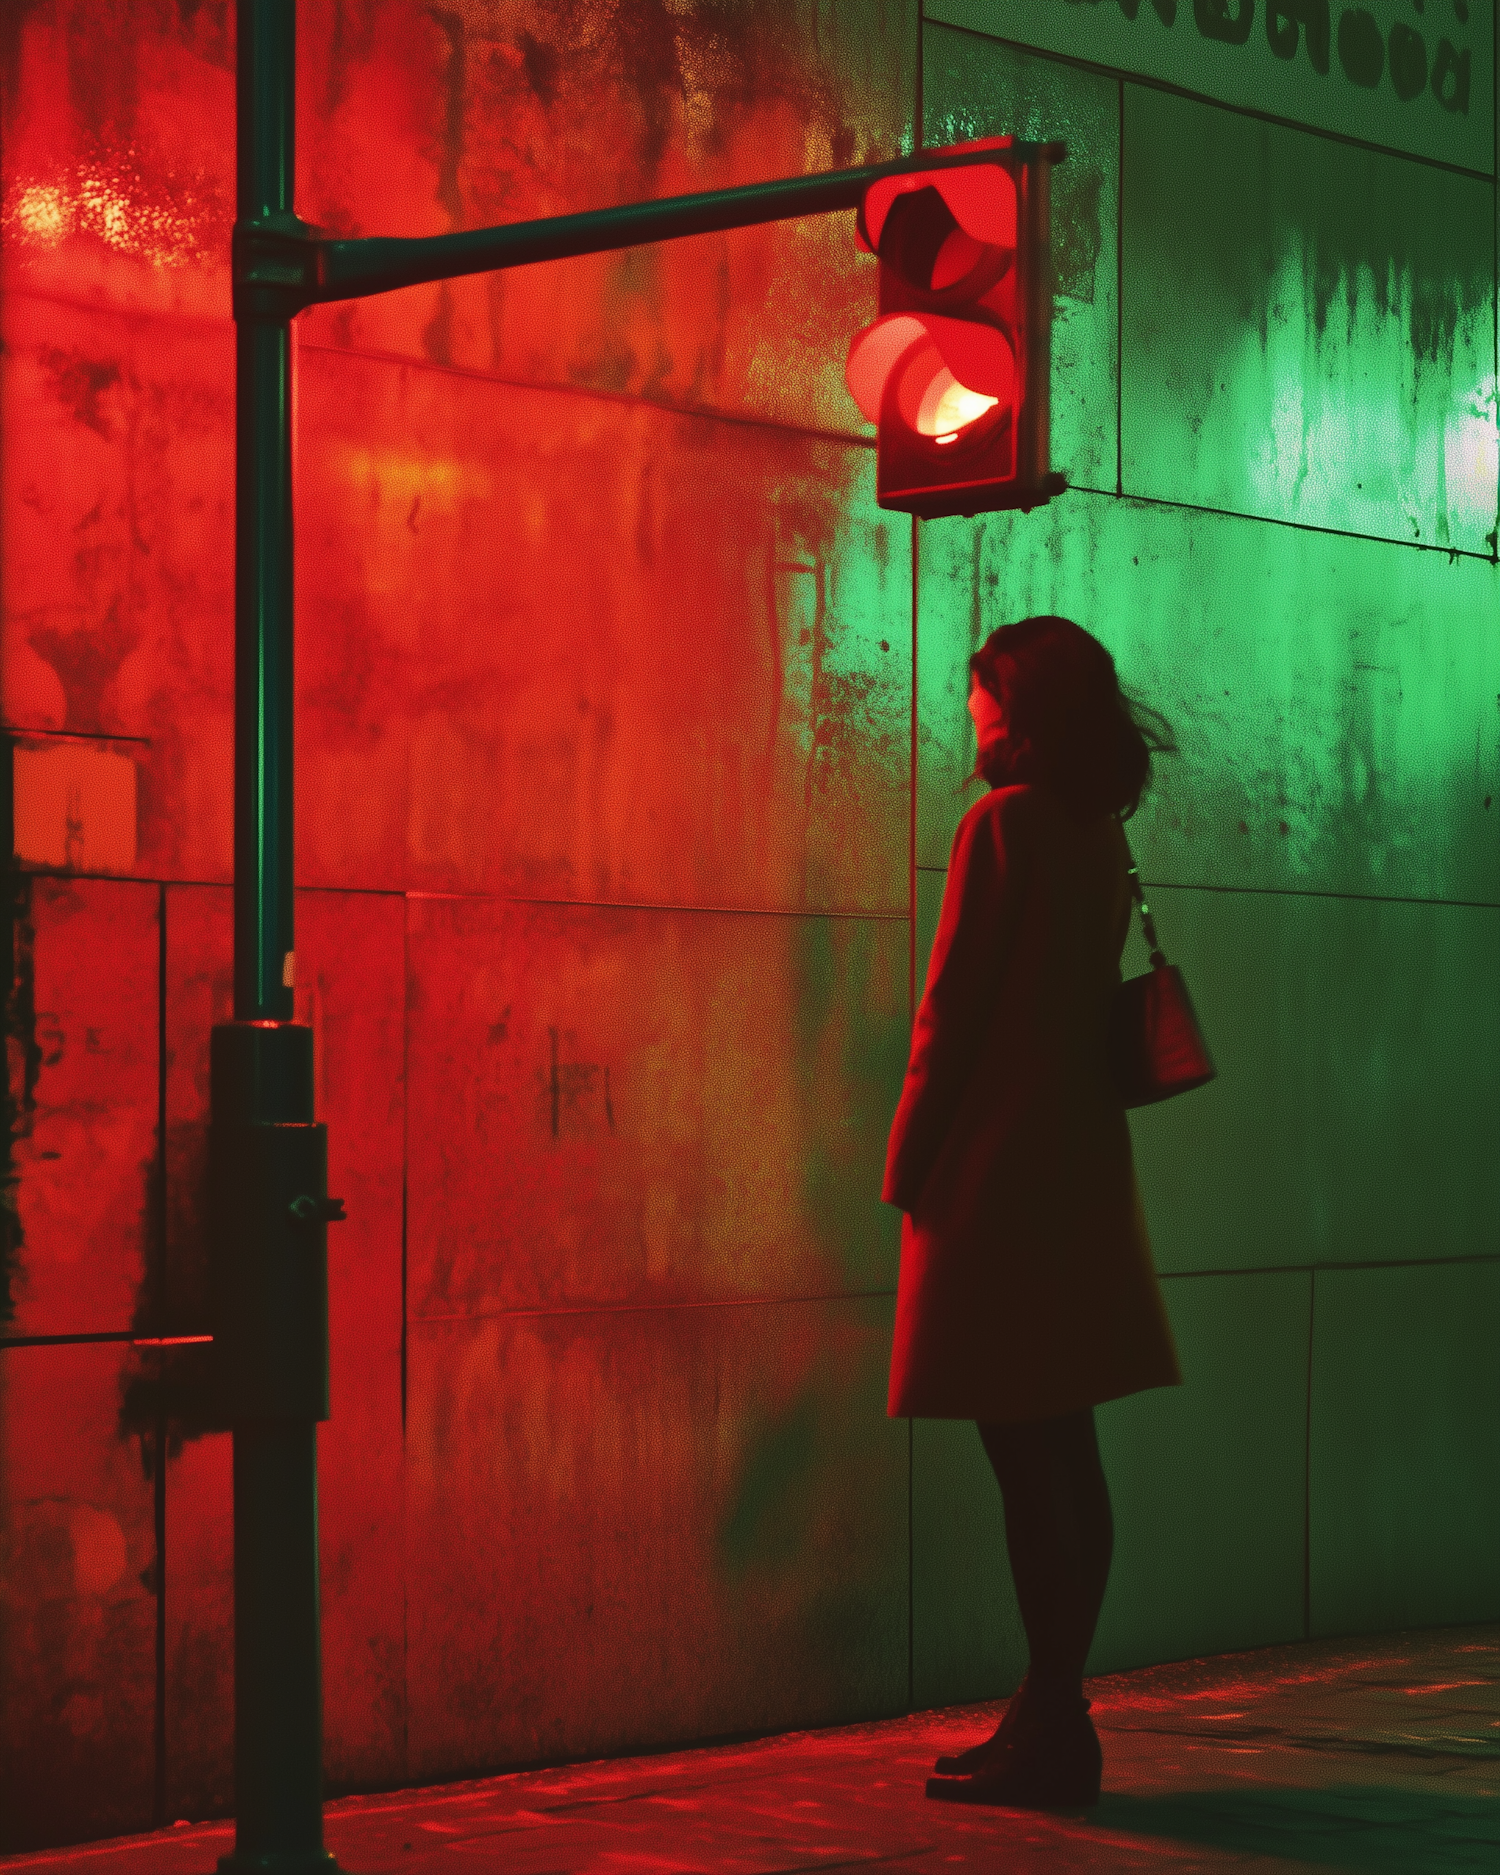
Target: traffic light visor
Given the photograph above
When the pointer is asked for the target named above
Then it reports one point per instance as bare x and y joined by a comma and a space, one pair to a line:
981, 198
946, 373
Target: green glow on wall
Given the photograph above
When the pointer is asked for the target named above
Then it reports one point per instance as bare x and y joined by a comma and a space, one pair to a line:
1334, 698
1308, 329
1417, 433
1275, 394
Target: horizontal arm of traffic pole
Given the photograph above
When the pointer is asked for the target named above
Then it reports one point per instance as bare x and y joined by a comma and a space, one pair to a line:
282, 265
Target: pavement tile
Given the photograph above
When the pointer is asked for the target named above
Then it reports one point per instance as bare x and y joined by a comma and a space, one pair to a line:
1380, 1757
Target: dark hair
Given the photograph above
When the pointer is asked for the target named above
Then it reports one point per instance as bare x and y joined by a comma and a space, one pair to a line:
1068, 724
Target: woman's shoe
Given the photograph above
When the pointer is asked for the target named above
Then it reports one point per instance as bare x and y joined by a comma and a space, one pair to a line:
1052, 1762
990, 1753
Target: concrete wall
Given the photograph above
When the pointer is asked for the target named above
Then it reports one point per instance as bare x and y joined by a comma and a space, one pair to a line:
608, 670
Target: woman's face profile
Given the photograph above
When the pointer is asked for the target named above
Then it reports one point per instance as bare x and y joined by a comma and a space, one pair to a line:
988, 715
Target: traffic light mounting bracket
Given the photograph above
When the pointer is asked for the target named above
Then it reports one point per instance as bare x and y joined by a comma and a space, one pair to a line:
282, 264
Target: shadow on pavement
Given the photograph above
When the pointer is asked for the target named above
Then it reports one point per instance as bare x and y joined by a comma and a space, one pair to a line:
1350, 1826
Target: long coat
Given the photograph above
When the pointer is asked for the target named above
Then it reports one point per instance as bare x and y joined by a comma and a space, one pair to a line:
1027, 1287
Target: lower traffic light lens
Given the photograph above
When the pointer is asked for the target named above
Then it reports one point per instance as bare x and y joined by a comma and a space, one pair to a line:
942, 378
948, 407
936, 405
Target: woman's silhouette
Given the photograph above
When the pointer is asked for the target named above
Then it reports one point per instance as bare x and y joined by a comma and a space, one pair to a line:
1027, 1293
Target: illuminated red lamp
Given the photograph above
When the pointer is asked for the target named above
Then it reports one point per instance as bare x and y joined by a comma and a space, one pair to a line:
955, 373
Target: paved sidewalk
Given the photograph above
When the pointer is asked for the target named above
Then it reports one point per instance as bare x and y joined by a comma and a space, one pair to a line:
1379, 1756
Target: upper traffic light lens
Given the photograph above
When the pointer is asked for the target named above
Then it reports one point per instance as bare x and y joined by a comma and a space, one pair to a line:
924, 242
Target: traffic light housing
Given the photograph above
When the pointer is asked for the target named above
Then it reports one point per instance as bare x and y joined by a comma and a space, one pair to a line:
955, 372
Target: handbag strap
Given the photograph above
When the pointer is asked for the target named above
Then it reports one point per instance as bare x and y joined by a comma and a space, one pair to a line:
1148, 923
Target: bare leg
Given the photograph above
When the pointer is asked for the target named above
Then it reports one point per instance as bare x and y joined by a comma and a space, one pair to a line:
1059, 1532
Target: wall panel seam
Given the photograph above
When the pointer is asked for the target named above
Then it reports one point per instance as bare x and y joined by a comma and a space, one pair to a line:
74, 735
655, 1308
911, 950
159, 1312
1312, 1302
199, 885
118, 1338
1159, 884
1332, 1266
1276, 520
406, 1027
1148, 83
500, 898
1120, 302
622, 904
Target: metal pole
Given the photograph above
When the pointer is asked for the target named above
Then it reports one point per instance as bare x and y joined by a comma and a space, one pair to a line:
263, 541
267, 1158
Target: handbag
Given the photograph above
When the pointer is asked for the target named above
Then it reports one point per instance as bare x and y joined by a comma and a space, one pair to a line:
1156, 1048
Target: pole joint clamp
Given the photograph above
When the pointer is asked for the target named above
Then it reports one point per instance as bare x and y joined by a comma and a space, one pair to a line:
278, 268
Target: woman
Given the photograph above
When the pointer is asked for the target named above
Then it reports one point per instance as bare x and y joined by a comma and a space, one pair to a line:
1027, 1294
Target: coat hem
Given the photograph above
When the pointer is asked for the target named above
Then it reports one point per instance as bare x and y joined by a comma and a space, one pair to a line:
1053, 1411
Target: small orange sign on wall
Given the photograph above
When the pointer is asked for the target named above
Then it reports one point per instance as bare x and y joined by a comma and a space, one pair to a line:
75, 806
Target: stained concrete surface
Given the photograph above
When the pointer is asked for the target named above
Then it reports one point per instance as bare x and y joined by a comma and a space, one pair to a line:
1376, 1755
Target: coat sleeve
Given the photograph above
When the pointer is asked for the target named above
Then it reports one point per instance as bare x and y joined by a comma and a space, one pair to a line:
963, 982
